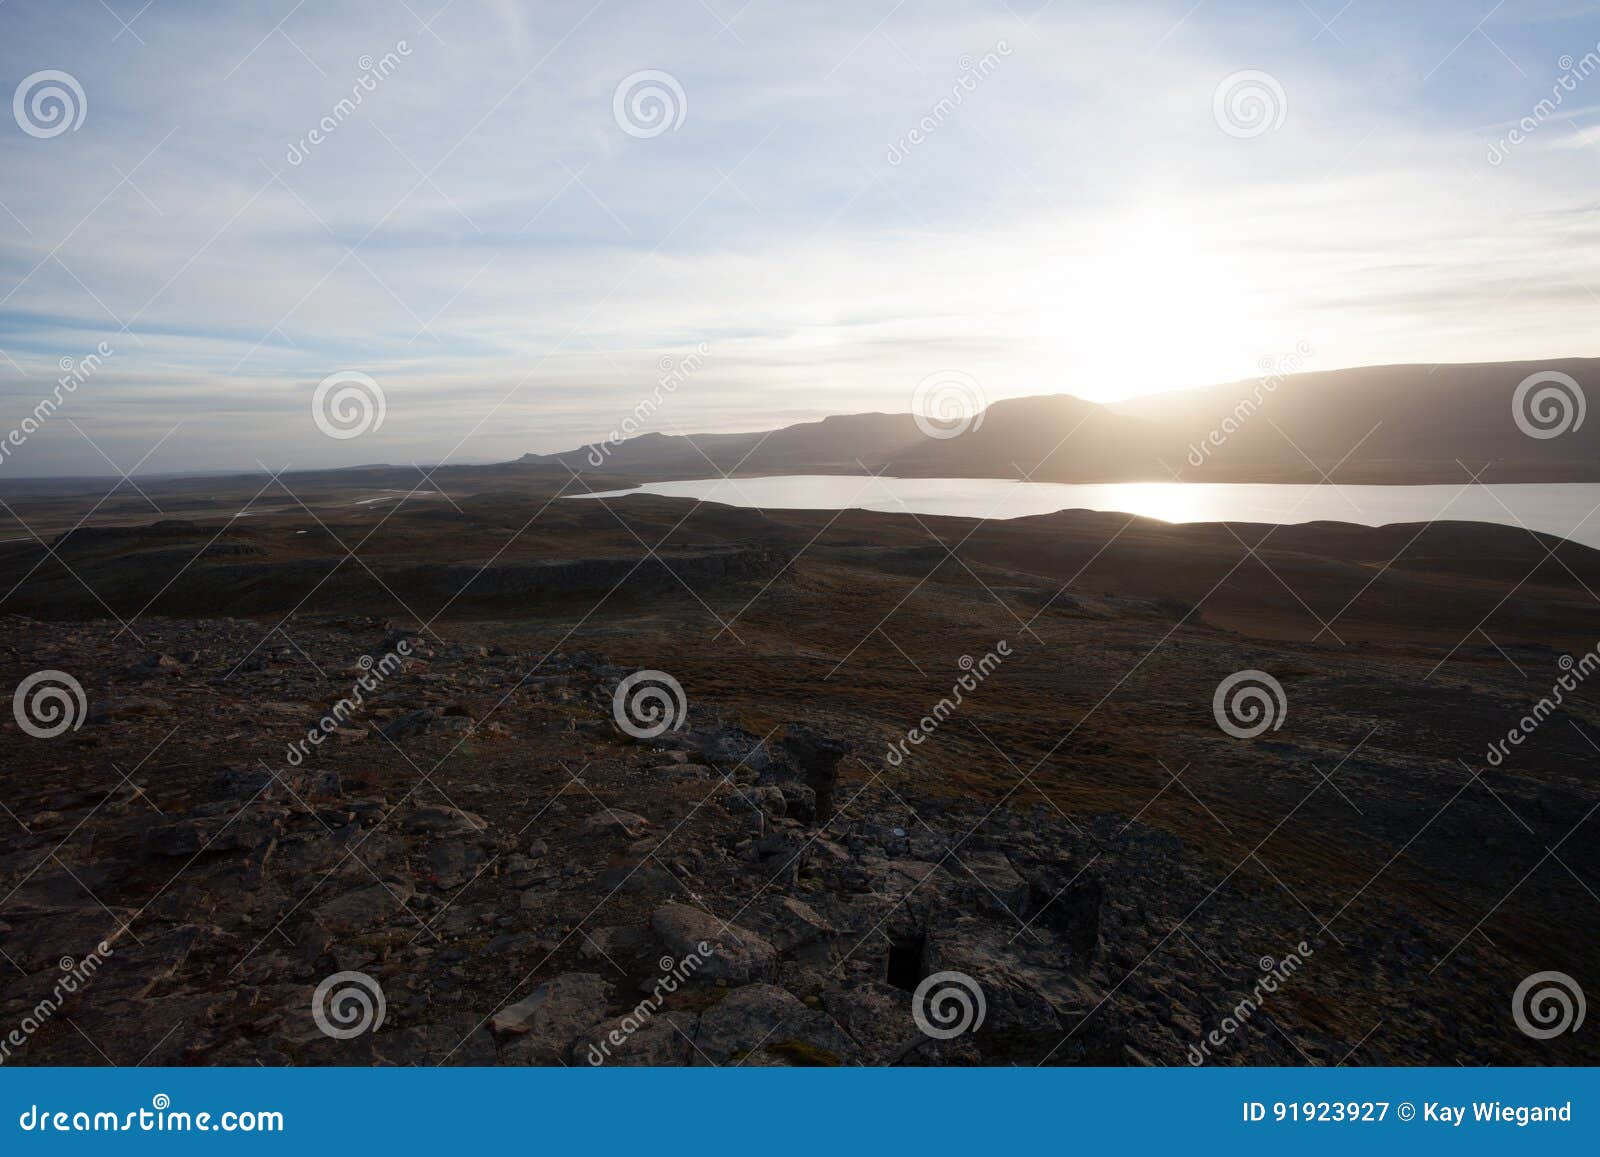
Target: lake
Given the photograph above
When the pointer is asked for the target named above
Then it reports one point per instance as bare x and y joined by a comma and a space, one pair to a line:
1571, 510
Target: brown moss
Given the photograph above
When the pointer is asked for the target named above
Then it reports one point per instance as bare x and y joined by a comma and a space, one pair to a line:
804, 1055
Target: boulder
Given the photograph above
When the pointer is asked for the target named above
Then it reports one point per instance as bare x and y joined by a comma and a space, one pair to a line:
794, 924
735, 953
638, 1038
994, 884
363, 908
764, 1025
544, 1024
878, 1018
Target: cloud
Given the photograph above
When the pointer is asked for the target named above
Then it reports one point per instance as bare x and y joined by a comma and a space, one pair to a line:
478, 233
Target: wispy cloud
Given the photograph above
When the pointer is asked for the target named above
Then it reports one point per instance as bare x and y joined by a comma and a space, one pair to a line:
480, 235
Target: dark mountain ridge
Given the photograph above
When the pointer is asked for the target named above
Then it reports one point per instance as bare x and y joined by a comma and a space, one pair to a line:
1374, 424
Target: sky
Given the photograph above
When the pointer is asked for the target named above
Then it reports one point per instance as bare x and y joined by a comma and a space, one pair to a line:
507, 222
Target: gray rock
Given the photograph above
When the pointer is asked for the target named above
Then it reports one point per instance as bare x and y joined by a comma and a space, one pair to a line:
733, 746
639, 1038
735, 953
315, 785
453, 863
639, 880
682, 770
994, 884
792, 924
782, 852
616, 944
614, 820
407, 725
878, 1018
363, 908
443, 821
800, 801
768, 800
456, 1040
764, 1025
544, 1024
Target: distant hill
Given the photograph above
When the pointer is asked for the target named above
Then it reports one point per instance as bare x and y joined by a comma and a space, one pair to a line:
1386, 424
1416, 421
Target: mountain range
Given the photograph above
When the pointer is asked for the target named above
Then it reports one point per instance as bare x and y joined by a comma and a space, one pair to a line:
1376, 424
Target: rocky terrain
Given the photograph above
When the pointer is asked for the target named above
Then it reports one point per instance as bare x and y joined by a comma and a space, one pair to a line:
526, 880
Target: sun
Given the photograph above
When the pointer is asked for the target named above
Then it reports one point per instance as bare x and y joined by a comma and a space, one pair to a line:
1151, 306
